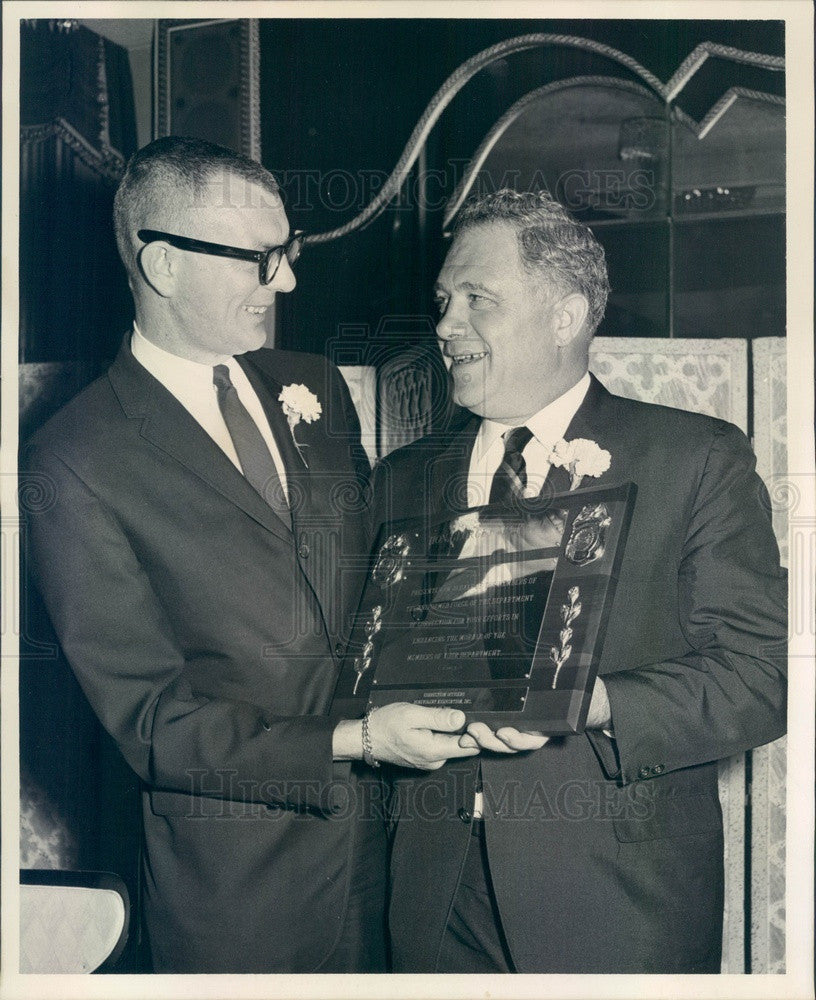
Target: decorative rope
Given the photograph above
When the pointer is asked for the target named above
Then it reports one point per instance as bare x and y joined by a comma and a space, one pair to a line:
725, 102
251, 105
468, 69
511, 115
102, 96
695, 60
445, 95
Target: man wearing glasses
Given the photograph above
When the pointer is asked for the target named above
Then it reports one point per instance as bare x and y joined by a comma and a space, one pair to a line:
200, 564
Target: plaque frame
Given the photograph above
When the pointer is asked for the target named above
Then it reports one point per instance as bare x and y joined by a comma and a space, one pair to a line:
549, 684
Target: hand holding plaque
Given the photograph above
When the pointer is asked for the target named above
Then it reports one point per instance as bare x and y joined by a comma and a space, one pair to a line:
499, 612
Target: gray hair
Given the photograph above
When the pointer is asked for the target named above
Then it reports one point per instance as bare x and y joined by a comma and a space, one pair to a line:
166, 178
552, 244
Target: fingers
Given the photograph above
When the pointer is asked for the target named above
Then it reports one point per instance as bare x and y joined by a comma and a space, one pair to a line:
504, 740
402, 734
487, 739
451, 746
521, 741
422, 737
440, 720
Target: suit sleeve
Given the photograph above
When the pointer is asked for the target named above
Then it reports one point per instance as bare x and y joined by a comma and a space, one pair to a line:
117, 638
727, 694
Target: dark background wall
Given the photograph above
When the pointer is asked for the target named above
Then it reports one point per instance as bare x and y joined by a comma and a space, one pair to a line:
339, 99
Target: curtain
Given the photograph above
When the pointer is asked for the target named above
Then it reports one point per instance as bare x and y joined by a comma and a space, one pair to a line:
74, 301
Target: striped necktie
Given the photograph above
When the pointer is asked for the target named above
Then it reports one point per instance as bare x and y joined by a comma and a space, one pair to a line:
510, 478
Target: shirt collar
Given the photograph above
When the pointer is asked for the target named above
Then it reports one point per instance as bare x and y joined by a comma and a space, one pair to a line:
548, 425
170, 367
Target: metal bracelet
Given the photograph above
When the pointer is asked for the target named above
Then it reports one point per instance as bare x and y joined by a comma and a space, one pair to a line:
368, 749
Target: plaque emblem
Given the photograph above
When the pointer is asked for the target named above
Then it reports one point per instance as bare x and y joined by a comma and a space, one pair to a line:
570, 610
390, 565
587, 540
372, 627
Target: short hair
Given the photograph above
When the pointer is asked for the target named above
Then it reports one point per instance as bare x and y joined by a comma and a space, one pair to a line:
166, 177
552, 244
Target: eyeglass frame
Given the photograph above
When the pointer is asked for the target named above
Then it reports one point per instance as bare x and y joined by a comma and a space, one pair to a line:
261, 257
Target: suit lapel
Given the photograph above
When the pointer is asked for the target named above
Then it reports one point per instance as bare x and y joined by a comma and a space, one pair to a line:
311, 474
557, 481
316, 514
448, 474
590, 421
268, 387
167, 425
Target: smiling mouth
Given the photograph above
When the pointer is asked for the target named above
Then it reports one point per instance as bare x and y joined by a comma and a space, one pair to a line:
467, 359
256, 310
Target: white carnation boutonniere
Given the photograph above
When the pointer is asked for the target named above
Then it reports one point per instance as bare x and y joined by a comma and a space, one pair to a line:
580, 458
299, 403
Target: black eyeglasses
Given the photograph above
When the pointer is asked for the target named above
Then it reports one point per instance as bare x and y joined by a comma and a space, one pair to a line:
268, 260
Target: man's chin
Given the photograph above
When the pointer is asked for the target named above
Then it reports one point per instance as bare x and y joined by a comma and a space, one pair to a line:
471, 402
468, 392
255, 339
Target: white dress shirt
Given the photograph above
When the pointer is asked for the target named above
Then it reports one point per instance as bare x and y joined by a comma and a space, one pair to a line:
548, 426
192, 385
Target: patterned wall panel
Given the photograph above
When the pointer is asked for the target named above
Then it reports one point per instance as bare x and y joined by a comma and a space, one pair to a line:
705, 376
769, 763
771, 429
768, 775
408, 393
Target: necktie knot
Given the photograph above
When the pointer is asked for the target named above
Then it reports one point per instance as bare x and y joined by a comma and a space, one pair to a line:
221, 377
510, 479
516, 440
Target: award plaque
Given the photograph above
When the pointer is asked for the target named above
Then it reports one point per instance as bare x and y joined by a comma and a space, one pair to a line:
500, 612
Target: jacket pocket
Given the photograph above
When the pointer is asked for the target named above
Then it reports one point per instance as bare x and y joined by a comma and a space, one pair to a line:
200, 807
661, 816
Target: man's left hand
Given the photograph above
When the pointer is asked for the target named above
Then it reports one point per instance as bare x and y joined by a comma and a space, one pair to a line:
504, 740
509, 740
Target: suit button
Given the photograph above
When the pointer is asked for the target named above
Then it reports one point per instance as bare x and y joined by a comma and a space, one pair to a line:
338, 649
659, 768
465, 815
303, 550
644, 772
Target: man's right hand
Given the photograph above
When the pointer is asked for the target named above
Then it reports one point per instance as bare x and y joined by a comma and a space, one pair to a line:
416, 736
408, 735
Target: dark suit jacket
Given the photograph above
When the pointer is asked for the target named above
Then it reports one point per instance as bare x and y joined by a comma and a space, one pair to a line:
206, 633
607, 856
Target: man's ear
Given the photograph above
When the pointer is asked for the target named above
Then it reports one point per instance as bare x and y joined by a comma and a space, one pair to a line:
570, 318
158, 263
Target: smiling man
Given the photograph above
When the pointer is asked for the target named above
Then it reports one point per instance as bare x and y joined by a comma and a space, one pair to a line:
599, 852
200, 572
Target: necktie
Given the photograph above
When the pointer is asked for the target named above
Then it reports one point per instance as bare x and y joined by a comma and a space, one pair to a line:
510, 478
255, 458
